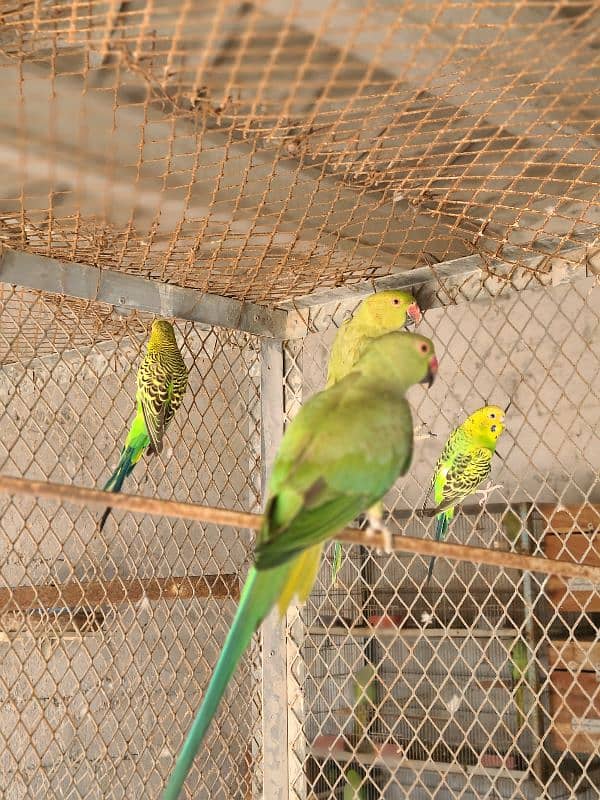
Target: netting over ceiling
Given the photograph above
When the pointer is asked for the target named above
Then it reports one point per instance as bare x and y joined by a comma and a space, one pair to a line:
261, 150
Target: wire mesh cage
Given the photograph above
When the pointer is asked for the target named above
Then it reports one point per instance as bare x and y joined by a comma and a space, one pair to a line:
457, 713
252, 170
108, 638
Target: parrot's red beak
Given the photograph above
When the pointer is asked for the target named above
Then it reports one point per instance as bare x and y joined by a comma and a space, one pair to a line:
414, 314
432, 369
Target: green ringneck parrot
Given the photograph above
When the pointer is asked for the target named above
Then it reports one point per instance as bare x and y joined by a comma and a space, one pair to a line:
161, 383
378, 314
340, 454
465, 462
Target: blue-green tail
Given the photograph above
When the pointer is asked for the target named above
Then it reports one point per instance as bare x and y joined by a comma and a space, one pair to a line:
442, 523
258, 596
115, 482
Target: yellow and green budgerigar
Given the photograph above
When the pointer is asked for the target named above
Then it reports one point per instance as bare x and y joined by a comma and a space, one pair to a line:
378, 314
340, 455
465, 462
161, 384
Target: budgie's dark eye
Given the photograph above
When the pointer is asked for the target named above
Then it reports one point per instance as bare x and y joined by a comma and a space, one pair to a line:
493, 416
395, 301
493, 429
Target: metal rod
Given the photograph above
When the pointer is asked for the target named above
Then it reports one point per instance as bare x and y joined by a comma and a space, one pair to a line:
274, 646
463, 267
220, 516
533, 678
118, 590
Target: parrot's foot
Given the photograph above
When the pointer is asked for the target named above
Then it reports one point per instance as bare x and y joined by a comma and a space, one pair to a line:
491, 487
375, 526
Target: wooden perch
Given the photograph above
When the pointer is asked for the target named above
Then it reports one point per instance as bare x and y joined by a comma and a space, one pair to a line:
218, 516
117, 591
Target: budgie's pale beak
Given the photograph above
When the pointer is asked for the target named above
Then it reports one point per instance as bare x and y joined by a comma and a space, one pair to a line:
414, 315
432, 369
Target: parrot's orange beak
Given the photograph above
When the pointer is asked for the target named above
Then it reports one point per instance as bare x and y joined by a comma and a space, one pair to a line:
432, 369
414, 314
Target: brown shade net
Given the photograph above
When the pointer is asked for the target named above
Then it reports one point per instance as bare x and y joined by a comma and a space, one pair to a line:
267, 151
262, 150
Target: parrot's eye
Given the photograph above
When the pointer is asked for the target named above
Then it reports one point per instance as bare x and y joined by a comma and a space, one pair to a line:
424, 347
493, 416
493, 429
395, 301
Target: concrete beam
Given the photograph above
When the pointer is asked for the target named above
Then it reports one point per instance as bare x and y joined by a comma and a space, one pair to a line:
558, 260
126, 292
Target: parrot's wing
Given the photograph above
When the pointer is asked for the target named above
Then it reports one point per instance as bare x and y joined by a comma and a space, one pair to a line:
338, 355
438, 477
154, 391
461, 477
176, 394
334, 462
154, 417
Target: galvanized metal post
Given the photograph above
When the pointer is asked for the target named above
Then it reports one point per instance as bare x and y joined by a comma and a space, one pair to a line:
274, 654
533, 678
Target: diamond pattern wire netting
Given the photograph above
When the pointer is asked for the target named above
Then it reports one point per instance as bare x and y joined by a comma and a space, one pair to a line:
454, 712
98, 693
265, 149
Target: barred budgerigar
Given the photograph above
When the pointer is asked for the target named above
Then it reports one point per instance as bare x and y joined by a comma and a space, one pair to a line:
161, 384
465, 462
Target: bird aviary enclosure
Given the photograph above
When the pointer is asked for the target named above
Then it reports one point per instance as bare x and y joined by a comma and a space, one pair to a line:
252, 170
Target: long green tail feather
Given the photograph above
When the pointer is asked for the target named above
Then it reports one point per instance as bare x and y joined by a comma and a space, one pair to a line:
135, 444
442, 523
115, 482
258, 597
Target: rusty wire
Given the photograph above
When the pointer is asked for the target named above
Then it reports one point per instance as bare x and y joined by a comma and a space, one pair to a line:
262, 151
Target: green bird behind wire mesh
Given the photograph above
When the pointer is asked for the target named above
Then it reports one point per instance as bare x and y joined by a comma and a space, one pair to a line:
354, 788
377, 315
519, 656
364, 691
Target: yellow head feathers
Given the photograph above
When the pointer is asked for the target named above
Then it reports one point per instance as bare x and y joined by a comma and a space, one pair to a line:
485, 425
385, 312
162, 333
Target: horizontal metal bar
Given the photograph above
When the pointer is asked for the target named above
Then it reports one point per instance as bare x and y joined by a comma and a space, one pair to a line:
79, 495
76, 594
124, 291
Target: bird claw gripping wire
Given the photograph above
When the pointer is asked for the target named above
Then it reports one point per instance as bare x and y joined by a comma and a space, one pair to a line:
491, 487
